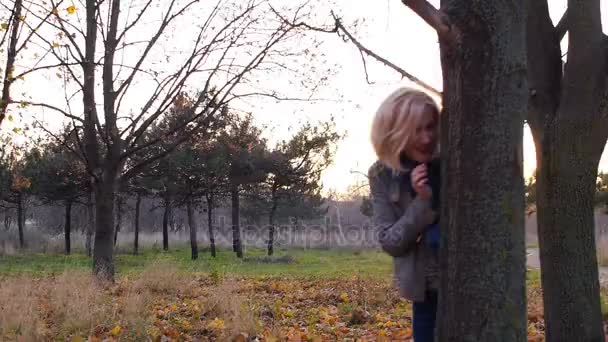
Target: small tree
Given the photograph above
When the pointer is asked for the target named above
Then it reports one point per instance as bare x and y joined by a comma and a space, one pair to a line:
244, 151
14, 186
295, 168
58, 175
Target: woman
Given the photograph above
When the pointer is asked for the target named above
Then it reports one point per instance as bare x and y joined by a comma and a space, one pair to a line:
404, 185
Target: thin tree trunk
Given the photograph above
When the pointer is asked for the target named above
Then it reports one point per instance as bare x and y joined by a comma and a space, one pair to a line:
137, 213
103, 252
119, 203
237, 245
271, 224
20, 219
482, 294
68, 226
90, 225
11, 55
192, 224
210, 224
166, 223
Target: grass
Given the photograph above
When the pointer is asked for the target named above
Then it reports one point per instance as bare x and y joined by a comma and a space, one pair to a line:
306, 263
330, 294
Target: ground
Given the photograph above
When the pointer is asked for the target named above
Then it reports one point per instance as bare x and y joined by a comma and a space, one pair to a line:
299, 295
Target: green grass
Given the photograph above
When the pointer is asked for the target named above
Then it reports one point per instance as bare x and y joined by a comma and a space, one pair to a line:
306, 263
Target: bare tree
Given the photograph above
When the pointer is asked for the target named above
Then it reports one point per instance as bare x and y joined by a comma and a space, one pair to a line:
231, 42
15, 35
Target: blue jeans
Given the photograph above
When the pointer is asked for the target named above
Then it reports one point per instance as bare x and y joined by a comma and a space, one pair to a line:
424, 318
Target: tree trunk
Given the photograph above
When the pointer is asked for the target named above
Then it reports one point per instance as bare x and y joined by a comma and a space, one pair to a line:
137, 213
11, 56
210, 224
103, 251
569, 125
166, 223
192, 224
68, 226
237, 245
271, 215
90, 225
119, 203
20, 219
566, 236
482, 294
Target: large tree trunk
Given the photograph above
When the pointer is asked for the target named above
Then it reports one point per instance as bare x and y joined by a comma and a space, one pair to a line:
237, 245
482, 295
566, 237
210, 224
20, 219
569, 125
192, 225
103, 251
166, 214
137, 213
68, 226
90, 225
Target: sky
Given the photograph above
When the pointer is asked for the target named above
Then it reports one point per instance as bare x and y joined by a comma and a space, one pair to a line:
396, 33
389, 29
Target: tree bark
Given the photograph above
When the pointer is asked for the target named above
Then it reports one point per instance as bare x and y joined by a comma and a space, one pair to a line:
137, 213
68, 225
192, 224
237, 244
20, 219
166, 214
210, 224
90, 225
103, 252
482, 294
569, 276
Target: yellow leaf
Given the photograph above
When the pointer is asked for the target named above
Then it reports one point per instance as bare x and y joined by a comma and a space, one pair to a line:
216, 324
77, 339
4, 26
344, 297
55, 45
116, 331
16, 130
10, 118
71, 9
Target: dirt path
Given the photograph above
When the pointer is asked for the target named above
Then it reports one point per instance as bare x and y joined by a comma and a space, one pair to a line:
533, 260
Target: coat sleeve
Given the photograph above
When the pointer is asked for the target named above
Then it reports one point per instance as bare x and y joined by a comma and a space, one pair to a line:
397, 235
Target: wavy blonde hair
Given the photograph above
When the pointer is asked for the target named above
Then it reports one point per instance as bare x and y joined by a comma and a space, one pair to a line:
395, 123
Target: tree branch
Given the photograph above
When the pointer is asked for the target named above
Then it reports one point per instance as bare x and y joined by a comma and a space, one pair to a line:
562, 26
339, 28
434, 17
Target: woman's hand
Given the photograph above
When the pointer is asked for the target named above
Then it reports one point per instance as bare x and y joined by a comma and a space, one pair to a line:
420, 184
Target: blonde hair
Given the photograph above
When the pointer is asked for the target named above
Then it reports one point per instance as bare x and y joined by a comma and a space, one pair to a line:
395, 123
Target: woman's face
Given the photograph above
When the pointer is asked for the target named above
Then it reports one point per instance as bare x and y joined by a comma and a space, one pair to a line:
424, 143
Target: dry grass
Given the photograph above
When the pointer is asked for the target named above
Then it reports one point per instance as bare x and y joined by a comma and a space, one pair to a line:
73, 305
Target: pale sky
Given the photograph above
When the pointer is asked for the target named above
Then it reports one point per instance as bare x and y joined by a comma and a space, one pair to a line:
399, 35
389, 29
